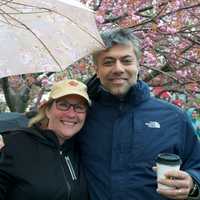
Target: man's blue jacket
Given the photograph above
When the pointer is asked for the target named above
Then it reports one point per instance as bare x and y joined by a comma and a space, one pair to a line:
122, 138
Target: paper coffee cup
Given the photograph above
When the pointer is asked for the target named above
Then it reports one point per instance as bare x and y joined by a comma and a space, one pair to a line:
166, 162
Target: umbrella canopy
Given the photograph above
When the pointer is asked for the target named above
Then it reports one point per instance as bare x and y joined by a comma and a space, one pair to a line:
45, 35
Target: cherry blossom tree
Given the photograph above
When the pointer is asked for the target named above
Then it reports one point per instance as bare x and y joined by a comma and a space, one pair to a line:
170, 37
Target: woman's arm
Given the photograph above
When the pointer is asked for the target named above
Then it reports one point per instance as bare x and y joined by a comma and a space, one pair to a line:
6, 170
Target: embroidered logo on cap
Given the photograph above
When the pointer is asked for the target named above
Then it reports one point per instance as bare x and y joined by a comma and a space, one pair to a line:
73, 83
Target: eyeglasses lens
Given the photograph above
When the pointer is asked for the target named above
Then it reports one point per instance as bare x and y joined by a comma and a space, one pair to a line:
65, 106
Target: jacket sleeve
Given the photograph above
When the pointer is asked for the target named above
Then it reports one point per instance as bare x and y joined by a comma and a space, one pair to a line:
196, 197
191, 155
6, 171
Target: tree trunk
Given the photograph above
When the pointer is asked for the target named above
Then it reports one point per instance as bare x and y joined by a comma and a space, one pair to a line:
17, 101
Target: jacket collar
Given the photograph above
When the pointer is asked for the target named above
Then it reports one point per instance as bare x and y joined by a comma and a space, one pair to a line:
136, 95
48, 137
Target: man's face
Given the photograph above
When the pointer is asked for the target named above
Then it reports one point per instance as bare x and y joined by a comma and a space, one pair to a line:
117, 69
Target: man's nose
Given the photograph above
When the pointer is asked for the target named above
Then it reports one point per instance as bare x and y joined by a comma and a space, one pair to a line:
118, 68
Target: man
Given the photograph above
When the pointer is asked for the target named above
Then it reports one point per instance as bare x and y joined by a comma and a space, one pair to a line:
127, 128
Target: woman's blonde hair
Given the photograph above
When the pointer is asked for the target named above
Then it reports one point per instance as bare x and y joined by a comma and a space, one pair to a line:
40, 118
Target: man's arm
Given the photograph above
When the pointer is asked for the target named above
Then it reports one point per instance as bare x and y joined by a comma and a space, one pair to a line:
186, 182
194, 192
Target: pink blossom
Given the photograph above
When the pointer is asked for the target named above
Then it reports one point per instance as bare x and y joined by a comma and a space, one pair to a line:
182, 73
150, 57
171, 30
45, 82
162, 28
147, 42
135, 17
100, 19
191, 55
182, 45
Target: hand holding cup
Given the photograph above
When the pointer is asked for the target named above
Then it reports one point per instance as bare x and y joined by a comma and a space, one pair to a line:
166, 162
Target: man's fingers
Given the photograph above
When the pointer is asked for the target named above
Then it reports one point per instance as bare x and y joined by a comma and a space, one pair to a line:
177, 174
174, 193
1, 142
180, 183
175, 183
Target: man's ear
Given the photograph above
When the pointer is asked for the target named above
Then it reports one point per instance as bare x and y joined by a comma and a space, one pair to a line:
138, 75
96, 70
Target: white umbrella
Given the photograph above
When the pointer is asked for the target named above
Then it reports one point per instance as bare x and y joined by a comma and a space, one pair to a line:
45, 35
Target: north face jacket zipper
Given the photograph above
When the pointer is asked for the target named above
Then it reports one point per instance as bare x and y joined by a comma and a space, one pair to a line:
63, 167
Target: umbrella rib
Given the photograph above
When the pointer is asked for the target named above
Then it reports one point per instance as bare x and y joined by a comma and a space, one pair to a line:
81, 28
9, 23
35, 35
17, 13
6, 2
14, 9
20, 12
24, 13
4, 18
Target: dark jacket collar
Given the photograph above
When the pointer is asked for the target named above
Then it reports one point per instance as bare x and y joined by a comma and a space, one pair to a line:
48, 137
136, 95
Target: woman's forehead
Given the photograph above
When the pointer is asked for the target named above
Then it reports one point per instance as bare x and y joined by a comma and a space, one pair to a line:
71, 97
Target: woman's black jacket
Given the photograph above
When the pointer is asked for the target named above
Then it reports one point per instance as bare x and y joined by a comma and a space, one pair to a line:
33, 166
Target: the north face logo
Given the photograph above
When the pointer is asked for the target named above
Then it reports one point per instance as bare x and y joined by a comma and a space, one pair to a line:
153, 124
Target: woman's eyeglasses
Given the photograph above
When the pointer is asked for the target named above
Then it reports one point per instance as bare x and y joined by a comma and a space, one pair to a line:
65, 106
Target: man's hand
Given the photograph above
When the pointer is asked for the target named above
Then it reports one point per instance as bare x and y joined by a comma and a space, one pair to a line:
1, 142
181, 183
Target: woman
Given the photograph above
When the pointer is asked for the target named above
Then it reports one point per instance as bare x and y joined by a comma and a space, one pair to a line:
41, 162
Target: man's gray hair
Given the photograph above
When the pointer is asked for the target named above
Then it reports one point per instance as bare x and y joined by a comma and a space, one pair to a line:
119, 36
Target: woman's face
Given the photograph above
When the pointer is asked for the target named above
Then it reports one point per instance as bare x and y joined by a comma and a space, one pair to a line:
67, 116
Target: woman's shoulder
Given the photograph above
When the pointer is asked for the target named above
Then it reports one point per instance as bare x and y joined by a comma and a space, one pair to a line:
18, 142
13, 136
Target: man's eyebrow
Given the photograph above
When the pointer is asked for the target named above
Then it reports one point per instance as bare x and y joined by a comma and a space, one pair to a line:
128, 56
108, 58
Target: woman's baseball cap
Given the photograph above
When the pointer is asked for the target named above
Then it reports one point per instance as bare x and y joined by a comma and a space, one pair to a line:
68, 87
